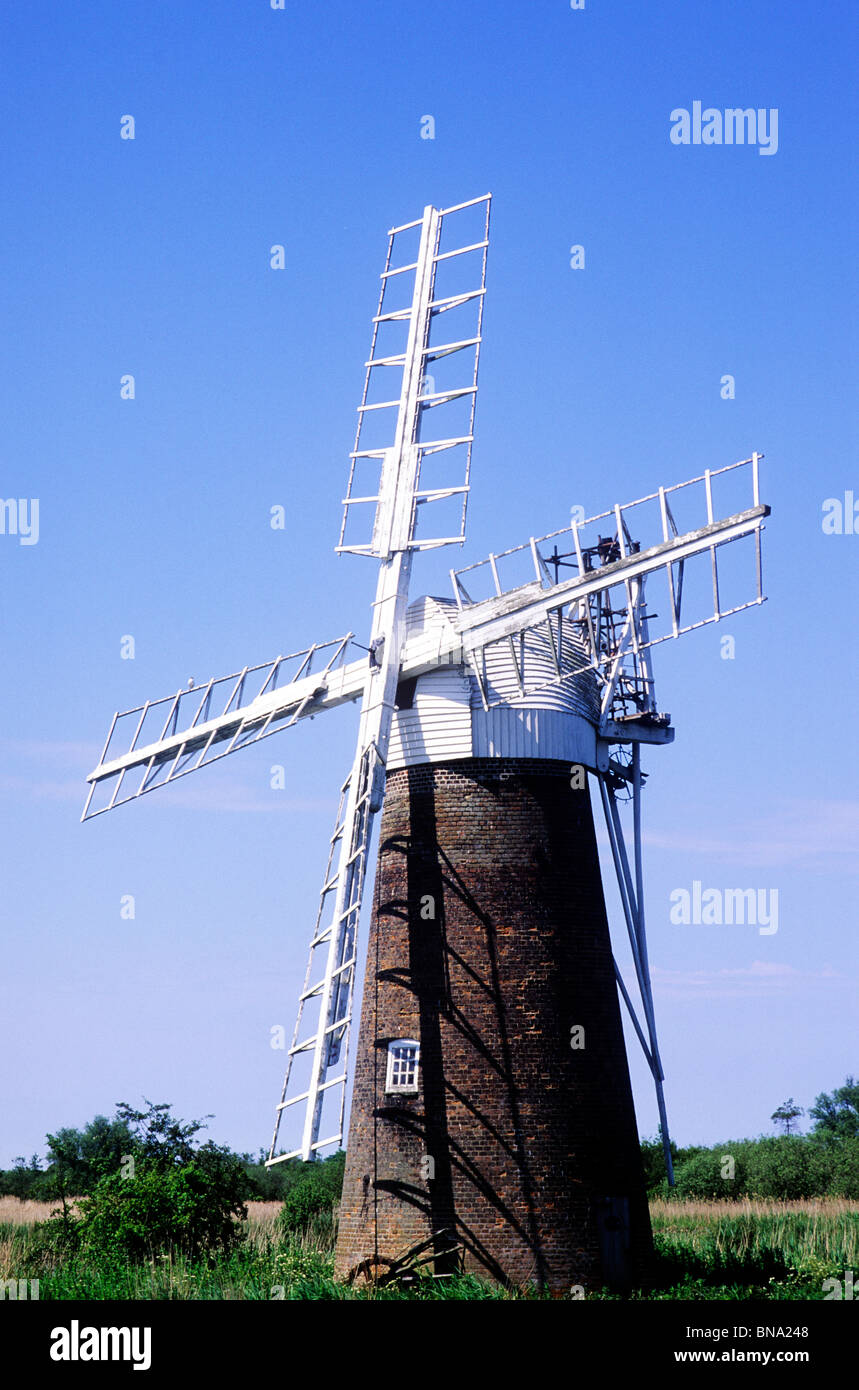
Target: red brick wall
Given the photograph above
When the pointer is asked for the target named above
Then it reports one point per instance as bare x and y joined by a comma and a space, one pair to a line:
534, 1144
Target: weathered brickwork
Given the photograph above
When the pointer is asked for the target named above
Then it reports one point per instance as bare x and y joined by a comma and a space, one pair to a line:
488, 943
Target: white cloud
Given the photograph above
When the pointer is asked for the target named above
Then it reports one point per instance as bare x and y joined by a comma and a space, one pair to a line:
813, 835
760, 980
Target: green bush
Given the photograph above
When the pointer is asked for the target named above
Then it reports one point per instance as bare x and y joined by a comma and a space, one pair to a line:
191, 1207
316, 1192
844, 1171
702, 1174
165, 1193
788, 1168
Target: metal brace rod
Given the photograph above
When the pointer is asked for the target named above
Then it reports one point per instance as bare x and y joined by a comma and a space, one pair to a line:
632, 903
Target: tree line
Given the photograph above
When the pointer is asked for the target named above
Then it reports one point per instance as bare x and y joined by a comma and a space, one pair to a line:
822, 1163
106, 1152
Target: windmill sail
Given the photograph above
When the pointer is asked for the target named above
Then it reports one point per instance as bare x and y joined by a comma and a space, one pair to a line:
163, 740
400, 454
603, 602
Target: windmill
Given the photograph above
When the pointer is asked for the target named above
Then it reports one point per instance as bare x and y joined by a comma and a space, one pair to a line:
492, 1122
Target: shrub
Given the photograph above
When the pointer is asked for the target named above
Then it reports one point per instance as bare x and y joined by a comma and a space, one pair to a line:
191, 1207
173, 1196
844, 1181
787, 1168
701, 1175
317, 1192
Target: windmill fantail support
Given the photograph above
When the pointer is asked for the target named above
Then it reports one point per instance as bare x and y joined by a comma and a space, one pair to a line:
492, 1124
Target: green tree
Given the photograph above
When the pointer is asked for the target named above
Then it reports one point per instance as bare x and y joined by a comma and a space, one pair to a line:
157, 1135
175, 1193
787, 1112
837, 1115
19, 1183
79, 1157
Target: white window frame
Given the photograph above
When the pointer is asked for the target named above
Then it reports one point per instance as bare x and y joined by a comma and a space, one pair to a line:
394, 1085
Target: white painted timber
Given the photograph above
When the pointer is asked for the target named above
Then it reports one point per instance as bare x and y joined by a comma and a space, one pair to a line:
447, 721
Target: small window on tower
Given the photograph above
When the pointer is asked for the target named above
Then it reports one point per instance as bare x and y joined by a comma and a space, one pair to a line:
403, 1057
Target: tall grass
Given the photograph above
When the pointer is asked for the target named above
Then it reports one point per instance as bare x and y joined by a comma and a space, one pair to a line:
818, 1238
705, 1250
15, 1212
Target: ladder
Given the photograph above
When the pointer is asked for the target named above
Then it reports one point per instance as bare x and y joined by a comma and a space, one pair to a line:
328, 993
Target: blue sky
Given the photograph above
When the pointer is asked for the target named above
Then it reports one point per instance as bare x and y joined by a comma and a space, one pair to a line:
301, 127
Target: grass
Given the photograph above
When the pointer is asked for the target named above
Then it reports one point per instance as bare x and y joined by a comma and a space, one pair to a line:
826, 1230
704, 1251
753, 1249
14, 1212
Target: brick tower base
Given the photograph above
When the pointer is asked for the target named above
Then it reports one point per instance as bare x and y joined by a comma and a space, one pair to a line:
489, 945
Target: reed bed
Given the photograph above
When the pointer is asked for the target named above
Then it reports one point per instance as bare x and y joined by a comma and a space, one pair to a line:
714, 1250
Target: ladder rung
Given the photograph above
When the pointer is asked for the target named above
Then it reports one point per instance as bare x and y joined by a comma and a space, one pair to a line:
347, 911
321, 983
449, 302
443, 350
439, 397
457, 207
380, 405
462, 251
332, 1139
311, 1041
434, 445
394, 314
435, 542
436, 492
398, 270
398, 360
320, 1144
337, 1081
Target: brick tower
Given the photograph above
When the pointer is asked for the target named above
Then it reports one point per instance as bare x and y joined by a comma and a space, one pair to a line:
492, 1108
